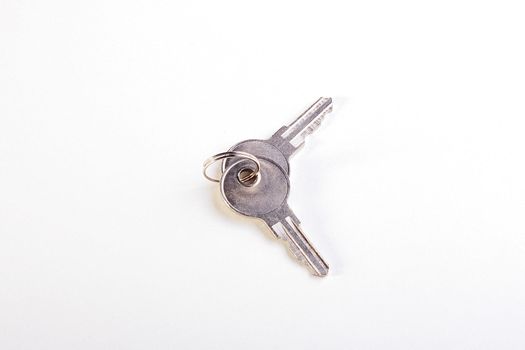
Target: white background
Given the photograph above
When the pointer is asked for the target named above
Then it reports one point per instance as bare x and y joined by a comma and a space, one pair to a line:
413, 189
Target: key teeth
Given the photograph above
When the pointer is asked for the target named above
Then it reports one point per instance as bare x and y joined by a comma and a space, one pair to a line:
300, 258
316, 123
308, 122
296, 253
282, 230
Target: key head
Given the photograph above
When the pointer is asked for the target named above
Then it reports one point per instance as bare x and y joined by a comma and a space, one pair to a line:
286, 141
262, 149
269, 193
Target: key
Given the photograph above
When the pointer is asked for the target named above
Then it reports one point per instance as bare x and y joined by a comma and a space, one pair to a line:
266, 199
288, 139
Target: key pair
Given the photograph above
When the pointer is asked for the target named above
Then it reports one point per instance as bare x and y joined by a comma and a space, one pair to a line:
255, 181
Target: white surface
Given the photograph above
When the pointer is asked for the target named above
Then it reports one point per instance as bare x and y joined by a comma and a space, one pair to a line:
413, 189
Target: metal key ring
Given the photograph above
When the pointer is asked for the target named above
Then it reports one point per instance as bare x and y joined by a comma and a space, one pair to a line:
232, 154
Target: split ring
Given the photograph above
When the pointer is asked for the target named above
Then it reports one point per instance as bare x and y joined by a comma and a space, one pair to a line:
232, 154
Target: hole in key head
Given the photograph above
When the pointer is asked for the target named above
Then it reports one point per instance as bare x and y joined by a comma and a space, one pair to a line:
248, 177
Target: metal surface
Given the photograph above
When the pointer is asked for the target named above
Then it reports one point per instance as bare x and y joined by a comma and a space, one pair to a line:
268, 202
232, 154
261, 149
288, 139
255, 181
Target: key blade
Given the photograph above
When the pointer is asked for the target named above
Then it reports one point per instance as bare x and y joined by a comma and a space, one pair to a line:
290, 231
307, 122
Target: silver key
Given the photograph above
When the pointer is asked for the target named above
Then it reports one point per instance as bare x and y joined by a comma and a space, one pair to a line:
267, 200
288, 139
